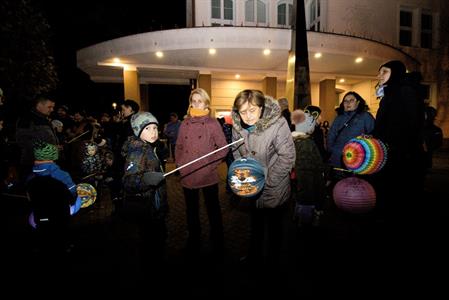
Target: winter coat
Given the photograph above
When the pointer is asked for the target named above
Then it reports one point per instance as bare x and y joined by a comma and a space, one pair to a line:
171, 131
309, 169
91, 163
270, 143
198, 136
340, 133
35, 126
144, 157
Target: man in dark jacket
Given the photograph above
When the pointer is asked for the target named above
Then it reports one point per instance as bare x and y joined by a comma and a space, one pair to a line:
34, 126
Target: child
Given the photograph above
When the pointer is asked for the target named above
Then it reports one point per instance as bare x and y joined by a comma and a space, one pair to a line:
53, 198
145, 196
92, 163
45, 155
309, 190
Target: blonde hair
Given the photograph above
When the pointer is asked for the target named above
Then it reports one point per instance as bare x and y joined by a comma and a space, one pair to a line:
204, 98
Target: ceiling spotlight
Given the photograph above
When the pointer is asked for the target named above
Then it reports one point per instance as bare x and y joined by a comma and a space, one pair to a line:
318, 55
237, 76
358, 60
266, 52
116, 60
212, 51
341, 80
159, 54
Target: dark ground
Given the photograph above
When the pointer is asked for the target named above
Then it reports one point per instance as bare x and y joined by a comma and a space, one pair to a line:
346, 255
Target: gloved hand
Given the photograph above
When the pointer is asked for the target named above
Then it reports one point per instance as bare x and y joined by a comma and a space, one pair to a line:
153, 178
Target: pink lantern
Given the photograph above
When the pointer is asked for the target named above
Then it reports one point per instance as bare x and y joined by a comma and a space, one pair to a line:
354, 195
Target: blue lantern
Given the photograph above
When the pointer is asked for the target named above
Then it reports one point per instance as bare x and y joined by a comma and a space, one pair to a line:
246, 177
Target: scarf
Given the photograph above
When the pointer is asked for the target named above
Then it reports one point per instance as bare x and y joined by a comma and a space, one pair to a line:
196, 112
380, 91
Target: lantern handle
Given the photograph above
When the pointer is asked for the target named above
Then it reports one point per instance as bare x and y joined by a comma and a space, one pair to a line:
204, 156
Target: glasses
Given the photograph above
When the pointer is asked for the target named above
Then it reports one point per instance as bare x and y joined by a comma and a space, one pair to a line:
349, 101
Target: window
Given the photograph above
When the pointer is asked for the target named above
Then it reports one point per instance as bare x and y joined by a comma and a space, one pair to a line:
285, 12
416, 27
406, 28
222, 12
426, 30
255, 12
315, 13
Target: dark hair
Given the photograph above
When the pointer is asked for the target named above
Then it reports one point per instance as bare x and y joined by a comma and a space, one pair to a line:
360, 108
174, 115
133, 104
254, 97
42, 99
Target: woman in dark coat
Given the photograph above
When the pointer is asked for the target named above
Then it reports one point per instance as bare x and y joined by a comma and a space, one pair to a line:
399, 124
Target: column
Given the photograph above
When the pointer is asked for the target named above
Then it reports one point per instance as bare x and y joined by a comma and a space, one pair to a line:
205, 82
290, 81
131, 82
269, 86
328, 99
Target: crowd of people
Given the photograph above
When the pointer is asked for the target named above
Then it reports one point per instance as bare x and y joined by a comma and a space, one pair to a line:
300, 161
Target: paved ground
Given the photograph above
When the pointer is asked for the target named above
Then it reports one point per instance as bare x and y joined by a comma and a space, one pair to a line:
344, 256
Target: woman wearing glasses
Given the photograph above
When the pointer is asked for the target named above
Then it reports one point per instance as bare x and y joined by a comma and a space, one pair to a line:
353, 119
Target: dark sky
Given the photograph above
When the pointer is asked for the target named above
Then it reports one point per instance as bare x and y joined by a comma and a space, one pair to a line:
76, 24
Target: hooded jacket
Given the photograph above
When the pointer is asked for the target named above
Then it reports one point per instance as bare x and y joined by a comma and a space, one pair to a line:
270, 143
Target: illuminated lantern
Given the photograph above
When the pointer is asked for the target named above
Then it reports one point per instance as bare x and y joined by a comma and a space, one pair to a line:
354, 195
87, 193
364, 155
246, 177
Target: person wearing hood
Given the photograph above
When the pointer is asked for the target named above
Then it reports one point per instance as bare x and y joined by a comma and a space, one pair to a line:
399, 124
200, 134
309, 184
353, 119
267, 138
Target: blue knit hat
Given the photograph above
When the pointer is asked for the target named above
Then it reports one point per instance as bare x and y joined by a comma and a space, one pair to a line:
141, 120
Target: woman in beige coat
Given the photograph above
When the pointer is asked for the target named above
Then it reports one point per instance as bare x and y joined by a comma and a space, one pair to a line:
267, 138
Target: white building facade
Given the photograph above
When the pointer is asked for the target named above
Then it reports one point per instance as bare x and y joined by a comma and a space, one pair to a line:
230, 45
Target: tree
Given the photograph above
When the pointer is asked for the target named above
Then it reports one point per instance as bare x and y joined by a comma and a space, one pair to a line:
26, 63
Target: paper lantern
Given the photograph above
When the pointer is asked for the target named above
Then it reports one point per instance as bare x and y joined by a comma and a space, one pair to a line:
87, 193
246, 177
354, 195
364, 155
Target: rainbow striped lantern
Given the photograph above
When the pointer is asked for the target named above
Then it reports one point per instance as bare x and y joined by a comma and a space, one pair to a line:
354, 195
364, 155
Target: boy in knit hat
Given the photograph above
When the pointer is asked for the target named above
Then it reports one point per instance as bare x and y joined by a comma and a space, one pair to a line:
145, 197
